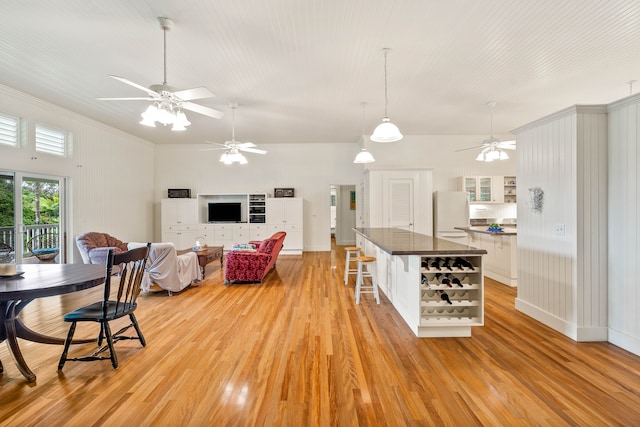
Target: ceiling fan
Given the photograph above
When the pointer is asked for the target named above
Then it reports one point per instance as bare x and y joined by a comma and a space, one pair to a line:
233, 148
168, 102
492, 148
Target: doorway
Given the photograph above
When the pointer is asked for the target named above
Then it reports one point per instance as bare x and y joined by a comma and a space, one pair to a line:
342, 213
32, 217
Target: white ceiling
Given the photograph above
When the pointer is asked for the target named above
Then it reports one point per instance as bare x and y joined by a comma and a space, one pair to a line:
299, 69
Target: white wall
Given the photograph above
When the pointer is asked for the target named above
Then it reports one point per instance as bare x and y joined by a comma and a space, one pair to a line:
562, 277
623, 226
110, 172
312, 168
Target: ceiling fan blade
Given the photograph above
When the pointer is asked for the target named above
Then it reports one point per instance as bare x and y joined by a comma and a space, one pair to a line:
470, 148
195, 93
253, 150
508, 145
126, 99
202, 110
246, 145
155, 95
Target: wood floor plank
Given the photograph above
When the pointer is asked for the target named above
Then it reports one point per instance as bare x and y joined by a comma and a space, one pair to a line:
297, 350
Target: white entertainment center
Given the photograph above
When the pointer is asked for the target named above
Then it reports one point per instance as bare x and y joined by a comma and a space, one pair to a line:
259, 216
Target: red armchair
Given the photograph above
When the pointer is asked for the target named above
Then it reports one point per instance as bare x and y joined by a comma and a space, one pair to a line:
248, 266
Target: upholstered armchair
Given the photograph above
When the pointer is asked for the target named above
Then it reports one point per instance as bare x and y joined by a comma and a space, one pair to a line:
253, 266
166, 269
94, 247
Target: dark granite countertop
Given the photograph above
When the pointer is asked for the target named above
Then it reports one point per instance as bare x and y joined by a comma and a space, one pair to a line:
506, 231
396, 241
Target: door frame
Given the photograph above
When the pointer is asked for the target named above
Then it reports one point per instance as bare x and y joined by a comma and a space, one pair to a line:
19, 228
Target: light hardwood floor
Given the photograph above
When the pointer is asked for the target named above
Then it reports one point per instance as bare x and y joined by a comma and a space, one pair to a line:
297, 351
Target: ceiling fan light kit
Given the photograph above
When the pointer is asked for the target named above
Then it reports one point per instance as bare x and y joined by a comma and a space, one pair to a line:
386, 131
492, 148
232, 149
167, 102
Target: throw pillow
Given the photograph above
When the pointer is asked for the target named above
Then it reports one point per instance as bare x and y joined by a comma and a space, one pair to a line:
267, 246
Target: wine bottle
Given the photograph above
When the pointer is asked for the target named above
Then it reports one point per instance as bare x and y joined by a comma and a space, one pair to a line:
447, 263
445, 280
425, 263
456, 281
445, 297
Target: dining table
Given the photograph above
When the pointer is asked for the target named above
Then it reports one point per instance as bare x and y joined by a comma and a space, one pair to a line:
33, 281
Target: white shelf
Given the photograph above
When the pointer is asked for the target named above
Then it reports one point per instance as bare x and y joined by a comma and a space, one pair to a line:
466, 308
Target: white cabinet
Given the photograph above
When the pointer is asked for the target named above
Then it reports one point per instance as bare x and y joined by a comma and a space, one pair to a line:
179, 222
483, 189
501, 260
259, 231
398, 198
286, 214
179, 211
183, 221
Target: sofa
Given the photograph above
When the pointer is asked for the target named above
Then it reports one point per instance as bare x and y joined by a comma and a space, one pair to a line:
253, 265
94, 247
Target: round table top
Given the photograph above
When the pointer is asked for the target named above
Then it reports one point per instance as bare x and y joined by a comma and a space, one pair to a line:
42, 280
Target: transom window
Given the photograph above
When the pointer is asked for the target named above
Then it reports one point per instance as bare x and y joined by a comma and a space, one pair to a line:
51, 140
9, 130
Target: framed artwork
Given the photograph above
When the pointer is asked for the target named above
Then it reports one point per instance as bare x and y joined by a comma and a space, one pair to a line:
352, 204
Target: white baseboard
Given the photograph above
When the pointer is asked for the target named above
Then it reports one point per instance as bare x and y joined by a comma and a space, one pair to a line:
625, 341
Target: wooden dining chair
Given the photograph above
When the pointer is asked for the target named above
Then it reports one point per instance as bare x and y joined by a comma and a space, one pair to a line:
131, 266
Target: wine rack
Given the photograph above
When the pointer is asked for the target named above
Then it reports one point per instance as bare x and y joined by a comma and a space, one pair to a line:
451, 291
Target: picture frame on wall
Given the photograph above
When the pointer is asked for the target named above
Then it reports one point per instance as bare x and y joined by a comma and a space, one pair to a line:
352, 201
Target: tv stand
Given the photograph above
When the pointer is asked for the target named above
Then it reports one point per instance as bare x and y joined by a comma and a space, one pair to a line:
261, 217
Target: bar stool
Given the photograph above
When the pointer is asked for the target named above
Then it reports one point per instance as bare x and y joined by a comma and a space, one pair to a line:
353, 252
370, 262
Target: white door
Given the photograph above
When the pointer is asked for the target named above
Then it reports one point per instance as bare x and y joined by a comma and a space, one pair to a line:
400, 203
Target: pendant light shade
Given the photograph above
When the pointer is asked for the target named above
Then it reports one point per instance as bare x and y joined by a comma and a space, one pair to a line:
386, 131
363, 156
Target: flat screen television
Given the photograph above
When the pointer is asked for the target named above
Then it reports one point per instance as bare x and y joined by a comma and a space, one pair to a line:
225, 212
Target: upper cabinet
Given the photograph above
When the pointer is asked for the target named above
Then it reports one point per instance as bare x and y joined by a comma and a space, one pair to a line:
489, 189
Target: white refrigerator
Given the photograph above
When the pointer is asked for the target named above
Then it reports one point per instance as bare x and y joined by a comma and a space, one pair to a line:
451, 209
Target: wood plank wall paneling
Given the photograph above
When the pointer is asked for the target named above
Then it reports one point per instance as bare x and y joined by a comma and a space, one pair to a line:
111, 172
562, 278
623, 224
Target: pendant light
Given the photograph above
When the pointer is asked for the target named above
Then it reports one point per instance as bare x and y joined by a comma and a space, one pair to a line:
363, 156
386, 131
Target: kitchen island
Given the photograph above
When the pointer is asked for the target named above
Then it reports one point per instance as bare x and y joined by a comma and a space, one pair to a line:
437, 286
501, 261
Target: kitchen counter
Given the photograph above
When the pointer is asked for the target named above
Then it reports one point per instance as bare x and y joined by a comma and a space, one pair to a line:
406, 275
501, 261
506, 230
396, 241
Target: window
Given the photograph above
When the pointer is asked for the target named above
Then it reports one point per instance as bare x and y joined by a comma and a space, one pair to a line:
9, 130
51, 140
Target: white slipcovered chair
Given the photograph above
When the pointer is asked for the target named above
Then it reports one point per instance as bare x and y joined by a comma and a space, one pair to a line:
166, 269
